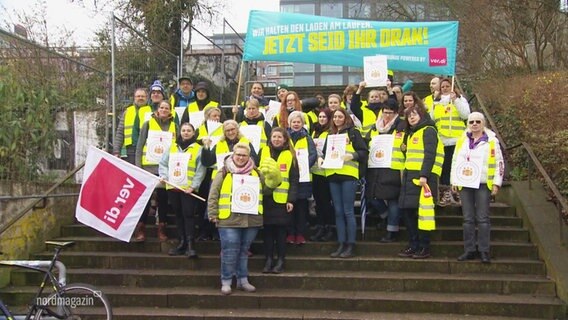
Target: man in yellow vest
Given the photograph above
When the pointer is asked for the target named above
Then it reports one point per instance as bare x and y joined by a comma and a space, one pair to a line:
129, 126
434, 90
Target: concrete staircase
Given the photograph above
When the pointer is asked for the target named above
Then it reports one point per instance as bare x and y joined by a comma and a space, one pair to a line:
143, 282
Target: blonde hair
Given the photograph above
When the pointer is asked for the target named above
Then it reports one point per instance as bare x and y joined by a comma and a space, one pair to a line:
242, 145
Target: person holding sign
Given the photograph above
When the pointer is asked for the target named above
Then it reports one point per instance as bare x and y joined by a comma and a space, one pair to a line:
345, 155
236, 205
181, 167
424, 154
211, 127
384, 165
279, 205
368, 112
306, 155
254, 125
202, 101
156, 137
477, 172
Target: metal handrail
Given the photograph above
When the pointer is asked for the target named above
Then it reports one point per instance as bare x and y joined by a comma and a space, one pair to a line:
32, 204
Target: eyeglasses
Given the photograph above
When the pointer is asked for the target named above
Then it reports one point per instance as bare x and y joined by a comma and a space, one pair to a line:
474, 121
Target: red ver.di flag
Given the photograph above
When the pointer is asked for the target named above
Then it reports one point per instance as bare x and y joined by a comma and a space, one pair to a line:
113, 195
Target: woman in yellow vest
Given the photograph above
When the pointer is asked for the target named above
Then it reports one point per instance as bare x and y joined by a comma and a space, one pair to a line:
325, 217
291, 104
202, 101
368, 111
449, 112
410, 99
256, 92
253, 117
212, 115
226, 207
156, 138
279, 205
334, 102
343, 182
477, 172
306, 156
182, 167
424, 154
383, 183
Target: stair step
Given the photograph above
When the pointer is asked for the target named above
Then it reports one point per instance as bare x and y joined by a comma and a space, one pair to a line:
312, 280
356, 301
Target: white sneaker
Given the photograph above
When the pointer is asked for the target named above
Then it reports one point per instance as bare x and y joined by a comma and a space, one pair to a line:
246, 287
226, 290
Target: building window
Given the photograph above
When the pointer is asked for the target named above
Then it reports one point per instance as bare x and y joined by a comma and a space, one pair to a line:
304, 67
359, 10
331, 79
333, 9
298, 8
304, 81
355, 79
330, 68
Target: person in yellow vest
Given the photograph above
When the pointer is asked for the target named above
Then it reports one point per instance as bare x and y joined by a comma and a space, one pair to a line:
202, 101
253, 117
410, 99
238, 213
434, 93
279, 205
367, 112
129, 126
424, 154
383, 183
256, 92
306, 156
348, 93
282, 92
477, 173
156, 138
334, 102
157, 95
182, 166
449, 113
292, 103
211, 116
325, 218
182, 97
343, 182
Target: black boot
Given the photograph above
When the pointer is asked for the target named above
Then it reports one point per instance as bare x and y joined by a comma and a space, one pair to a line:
319, 233
337, 252
180, 249
191, 253
279, 267
328, 235
267, 265
348, 252
390, 237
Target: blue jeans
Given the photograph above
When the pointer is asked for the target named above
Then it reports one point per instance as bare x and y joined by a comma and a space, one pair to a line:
235, 243
475, 208
343, 197
417, 239
392, 212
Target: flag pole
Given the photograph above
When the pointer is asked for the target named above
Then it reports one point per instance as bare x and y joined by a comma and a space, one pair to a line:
180, 189
239, 88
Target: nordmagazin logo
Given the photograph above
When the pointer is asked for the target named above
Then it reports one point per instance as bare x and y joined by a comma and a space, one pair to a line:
437, 57
112, 193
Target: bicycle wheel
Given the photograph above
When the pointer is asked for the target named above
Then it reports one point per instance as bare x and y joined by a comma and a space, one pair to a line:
76, 301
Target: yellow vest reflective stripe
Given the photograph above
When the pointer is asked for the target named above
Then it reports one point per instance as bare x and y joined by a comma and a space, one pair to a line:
350, 168
397, 161
491, 162
129, 118
223, 147
154, 126
203, 132
193, 150
429, 103
280, 194
315, 169
426, 212
415, 153
306, 121
369, 119
448, 121
193, 107
226, 193
263, 138
302, 143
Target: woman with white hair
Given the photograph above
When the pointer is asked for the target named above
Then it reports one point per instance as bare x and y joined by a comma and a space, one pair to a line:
477, 172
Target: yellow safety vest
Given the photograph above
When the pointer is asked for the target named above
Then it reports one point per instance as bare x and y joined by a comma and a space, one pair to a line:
369, 119
312, 116
226, 195
263, 137
350, 168
280, 194
130, 117
154, 126
306, 121
302, 143
203, 132
429, 102
193, 150
315, 169
448, 121
426, 208
415, 153
491, 163
193, 107
397, 161
223, 147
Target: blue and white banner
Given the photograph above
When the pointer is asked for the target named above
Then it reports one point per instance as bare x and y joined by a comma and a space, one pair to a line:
428, 47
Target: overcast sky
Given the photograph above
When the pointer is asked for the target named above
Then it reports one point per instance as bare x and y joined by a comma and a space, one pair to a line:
83, 19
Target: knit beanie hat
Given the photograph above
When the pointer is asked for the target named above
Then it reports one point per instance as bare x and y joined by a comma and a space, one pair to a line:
157, 86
